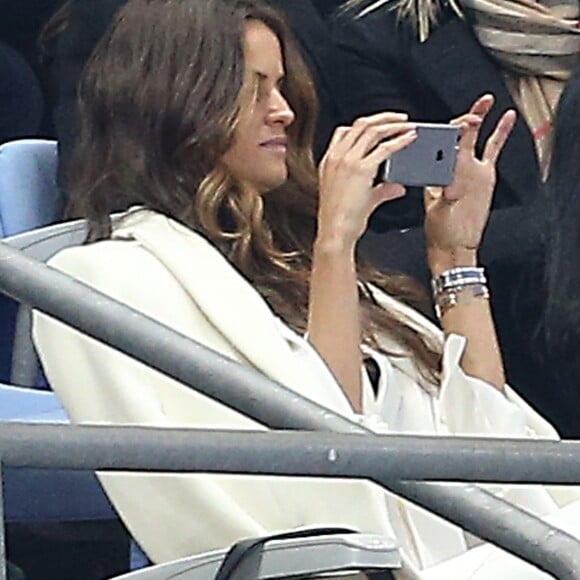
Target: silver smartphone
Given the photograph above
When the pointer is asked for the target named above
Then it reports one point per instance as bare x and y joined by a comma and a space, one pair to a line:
429, 160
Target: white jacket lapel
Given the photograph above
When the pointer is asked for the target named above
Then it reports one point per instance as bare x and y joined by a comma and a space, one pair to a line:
229, 302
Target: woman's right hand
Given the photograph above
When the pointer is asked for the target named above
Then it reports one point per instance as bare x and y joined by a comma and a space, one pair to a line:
347, 196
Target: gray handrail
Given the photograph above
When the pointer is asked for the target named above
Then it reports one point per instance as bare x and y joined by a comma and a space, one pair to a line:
306, 453
242, 389
372, 457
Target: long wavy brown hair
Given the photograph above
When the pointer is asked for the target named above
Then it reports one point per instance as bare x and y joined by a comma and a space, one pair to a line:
159, 104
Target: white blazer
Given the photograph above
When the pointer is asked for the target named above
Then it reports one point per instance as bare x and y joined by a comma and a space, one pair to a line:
176, 276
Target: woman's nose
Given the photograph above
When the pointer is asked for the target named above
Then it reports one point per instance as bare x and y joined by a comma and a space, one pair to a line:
280, 110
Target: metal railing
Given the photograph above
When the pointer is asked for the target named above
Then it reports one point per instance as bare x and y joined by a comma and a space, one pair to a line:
273, 405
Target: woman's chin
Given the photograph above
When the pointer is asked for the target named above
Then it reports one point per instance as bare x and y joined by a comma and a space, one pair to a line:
274, 181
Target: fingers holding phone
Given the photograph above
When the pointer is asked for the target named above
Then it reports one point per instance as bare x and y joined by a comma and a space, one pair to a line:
348, 169
474, 173
456, 218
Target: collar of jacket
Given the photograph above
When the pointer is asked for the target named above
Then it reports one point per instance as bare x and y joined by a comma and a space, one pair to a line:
231, 304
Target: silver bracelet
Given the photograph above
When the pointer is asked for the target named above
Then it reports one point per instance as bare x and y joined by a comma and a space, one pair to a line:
447, 299
457, 278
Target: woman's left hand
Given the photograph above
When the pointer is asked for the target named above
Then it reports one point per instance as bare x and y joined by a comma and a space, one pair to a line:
456, 215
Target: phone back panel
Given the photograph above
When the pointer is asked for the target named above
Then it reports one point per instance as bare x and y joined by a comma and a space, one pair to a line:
429, 160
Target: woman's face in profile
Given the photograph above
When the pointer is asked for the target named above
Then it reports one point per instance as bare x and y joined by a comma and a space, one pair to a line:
258, 155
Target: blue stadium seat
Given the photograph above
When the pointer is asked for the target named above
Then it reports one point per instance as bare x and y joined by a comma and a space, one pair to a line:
29, 198
29, 195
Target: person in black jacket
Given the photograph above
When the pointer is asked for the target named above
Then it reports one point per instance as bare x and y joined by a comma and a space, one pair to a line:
432, 80
431, 66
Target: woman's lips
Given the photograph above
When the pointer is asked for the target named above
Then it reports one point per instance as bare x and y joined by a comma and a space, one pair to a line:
277, 144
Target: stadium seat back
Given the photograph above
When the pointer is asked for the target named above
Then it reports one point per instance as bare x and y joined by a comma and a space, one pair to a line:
29, 198
29, 195
40, 244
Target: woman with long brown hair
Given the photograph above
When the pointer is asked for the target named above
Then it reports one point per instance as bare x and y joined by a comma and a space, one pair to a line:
198, 115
